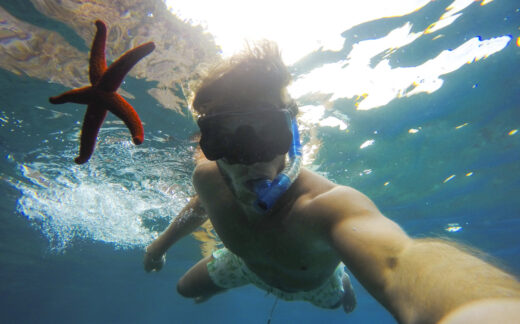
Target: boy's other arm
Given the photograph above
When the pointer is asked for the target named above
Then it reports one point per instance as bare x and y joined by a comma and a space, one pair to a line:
191, 216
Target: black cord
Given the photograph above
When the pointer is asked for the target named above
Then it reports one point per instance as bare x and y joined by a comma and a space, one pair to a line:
272, 310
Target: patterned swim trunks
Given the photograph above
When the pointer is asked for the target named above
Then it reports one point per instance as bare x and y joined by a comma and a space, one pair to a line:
227, 270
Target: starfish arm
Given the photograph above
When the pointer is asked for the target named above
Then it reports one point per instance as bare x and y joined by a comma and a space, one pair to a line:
80, 95
92, 121
124, 111
114, 75
101, 94
98, 63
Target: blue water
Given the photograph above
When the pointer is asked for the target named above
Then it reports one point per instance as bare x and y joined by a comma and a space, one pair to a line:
71, 237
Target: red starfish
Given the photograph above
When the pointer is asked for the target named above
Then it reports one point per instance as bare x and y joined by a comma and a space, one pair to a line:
102, 96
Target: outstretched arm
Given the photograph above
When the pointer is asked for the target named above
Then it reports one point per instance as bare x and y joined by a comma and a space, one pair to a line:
417, 280
190, 217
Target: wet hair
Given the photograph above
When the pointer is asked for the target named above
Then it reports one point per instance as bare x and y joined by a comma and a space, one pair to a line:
254, 79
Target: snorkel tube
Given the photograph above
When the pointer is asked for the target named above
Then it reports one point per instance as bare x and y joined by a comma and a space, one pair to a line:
268, 192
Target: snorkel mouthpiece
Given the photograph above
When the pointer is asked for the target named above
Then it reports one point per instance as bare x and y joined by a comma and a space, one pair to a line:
268, 192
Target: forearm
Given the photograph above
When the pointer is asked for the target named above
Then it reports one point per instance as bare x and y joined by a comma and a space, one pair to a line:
417, 280
191, 216
432, 278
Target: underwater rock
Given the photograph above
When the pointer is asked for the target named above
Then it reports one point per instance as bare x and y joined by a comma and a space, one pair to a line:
181, 49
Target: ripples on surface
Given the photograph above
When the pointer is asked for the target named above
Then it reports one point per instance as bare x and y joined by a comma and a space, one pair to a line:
125, 194
181, 49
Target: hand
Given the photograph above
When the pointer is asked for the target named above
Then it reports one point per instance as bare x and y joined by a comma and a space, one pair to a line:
152, 261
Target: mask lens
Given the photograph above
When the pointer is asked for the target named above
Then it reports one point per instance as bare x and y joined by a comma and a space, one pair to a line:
257, 137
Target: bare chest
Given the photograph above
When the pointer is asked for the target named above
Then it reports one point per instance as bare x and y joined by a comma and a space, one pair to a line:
282, 249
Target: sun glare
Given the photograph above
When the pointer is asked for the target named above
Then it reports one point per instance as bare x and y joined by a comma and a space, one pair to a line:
299, 27
302, 27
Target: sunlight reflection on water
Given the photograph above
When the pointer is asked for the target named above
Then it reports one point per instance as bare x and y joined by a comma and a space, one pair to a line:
377, 86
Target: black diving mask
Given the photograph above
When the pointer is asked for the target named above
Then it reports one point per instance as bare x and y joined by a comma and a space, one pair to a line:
245, 137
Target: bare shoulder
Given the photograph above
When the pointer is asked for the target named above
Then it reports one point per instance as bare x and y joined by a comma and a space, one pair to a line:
347, 199
339, 203
353, 224
204, 171
205, 166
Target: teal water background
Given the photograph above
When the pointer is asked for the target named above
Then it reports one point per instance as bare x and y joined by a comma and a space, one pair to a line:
71, 248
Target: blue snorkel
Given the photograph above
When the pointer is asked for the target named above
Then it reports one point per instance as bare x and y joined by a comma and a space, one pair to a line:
268, 192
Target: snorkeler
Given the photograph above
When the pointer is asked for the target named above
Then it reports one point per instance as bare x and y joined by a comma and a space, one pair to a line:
291, 232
